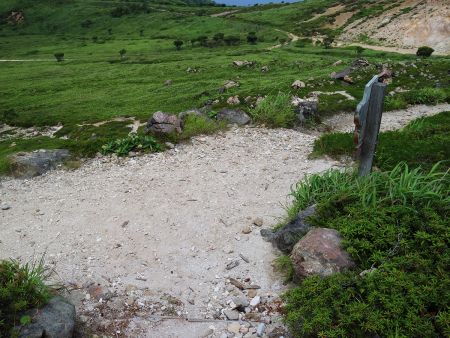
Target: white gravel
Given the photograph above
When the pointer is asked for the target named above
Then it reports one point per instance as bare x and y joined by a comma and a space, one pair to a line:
133, 231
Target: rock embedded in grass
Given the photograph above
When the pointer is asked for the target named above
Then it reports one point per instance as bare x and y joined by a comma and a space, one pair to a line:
234, 116
56, 319
30, 164
163, 123
320, 252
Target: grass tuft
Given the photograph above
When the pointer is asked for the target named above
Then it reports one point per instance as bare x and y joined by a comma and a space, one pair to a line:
275, 111
22, 287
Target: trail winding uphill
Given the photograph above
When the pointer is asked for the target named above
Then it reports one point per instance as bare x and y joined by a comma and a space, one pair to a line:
144, 243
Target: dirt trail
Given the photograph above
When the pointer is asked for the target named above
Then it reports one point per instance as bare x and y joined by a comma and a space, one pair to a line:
291, 38
140, 238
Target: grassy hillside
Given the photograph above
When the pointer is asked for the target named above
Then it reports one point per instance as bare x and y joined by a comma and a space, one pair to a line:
93, 83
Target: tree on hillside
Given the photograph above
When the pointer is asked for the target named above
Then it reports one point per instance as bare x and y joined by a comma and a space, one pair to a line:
252, 38
328, 41
424, 51
122, 53
178, 44
59, 57
359, 50
218, 37
232, 40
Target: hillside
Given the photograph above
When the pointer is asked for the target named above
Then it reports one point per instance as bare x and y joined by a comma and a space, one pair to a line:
399, 23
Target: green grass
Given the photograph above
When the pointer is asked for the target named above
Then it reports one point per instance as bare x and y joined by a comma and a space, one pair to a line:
275, 111
395, 223
22, 287
420, 144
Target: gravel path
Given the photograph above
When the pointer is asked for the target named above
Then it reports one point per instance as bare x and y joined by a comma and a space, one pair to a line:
141, 241
160, 226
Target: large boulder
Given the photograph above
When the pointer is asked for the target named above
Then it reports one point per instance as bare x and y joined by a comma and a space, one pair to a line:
305, 108
237, 116
54, 320
30, 164
286, 238
320, 252
163, 124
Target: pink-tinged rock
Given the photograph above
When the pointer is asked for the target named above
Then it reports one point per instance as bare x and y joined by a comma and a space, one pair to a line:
320, 252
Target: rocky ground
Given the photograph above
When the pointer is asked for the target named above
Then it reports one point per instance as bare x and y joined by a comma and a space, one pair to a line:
168, 244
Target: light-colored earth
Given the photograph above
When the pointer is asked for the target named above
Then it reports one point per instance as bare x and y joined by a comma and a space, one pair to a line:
422, 23
143, 243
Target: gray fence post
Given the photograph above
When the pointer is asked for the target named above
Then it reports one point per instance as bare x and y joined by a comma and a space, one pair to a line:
371, 128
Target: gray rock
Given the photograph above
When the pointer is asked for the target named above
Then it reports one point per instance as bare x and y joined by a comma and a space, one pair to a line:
240, 302
54, 320
237, 116
162, 124
231, 314
306, 108
260, 329
297, 84
320, 252
286, 237
30, 164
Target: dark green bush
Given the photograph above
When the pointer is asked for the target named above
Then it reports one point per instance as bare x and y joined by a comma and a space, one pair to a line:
22, 287
59, 57
395, 227
424, 51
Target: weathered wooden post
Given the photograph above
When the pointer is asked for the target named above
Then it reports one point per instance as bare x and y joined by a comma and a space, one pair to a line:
370, 121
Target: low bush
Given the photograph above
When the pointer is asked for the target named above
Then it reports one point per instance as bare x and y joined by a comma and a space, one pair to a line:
133, 142
424, 51
196, 125
422, 143
394, 225
22, 287
59, 57
426, 96
275, 111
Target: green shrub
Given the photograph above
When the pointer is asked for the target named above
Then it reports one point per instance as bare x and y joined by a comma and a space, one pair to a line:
284, 264
275, 111
252, 38
133, 142
421, 143
424, 51
426, 96
22, 287
395, 227
59, 57
178, 44
395, 102
196, 125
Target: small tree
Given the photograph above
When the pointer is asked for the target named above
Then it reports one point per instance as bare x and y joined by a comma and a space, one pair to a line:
424, 51
141, 32
328, 41
218, 37
359, 50
110, 31
232, 40
178, 44
252, 38
122, 53
59, 57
